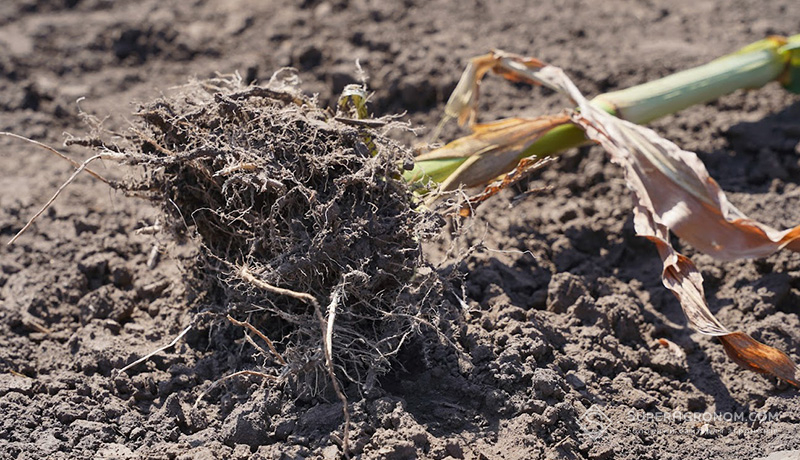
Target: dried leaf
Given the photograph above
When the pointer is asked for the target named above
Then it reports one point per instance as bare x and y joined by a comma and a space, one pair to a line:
522, 170
673, 348
673, 190
492, 149
756, 356
464, 99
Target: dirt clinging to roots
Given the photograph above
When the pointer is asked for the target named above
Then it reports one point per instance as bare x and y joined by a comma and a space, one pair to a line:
277, 191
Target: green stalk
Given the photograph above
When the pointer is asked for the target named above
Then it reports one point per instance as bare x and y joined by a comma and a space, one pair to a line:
753, 66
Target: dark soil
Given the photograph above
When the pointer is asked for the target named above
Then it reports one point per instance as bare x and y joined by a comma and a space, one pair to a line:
564, 306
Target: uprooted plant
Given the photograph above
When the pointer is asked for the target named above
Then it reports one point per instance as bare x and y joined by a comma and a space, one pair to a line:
311, 235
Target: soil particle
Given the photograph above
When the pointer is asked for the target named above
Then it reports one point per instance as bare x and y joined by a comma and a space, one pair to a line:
246, 424
106, 302
563, 291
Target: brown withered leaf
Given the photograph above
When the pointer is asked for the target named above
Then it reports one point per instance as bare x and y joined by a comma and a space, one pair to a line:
462, 103
492, 149
673, 189
522, 170
751, 354
673, 348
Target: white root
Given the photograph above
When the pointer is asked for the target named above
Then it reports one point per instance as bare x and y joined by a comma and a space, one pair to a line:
327, 330
58, 192
158, 350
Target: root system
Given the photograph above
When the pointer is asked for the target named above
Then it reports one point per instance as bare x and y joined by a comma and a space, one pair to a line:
279, 193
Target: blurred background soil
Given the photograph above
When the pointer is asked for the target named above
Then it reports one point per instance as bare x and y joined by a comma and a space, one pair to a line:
565, 304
